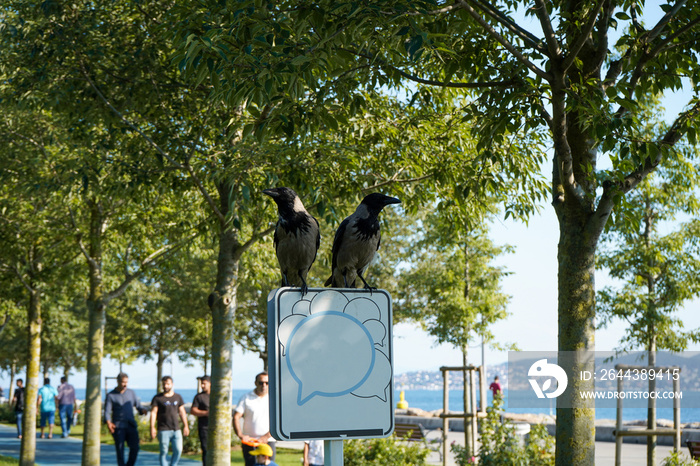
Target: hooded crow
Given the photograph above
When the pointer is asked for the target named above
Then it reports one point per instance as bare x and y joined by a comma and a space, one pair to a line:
356, 241
297, 237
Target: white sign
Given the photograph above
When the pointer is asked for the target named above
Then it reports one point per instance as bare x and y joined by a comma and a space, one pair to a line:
330, 364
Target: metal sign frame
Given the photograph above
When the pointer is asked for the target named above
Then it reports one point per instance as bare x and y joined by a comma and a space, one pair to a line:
330, 364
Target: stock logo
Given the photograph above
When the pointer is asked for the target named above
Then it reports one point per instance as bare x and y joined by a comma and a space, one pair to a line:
542, 368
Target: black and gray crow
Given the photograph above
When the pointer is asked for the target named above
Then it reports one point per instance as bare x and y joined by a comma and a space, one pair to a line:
356, 241
297, 237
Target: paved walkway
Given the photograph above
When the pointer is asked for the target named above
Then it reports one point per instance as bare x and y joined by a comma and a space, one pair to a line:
67, 451
632, 454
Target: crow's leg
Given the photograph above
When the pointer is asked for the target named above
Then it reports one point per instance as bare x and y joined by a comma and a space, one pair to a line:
304, 286
367, 287
285, 282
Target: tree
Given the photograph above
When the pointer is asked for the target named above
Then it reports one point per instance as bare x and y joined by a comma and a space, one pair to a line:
565, 80
33, 249
451, 288
658, 271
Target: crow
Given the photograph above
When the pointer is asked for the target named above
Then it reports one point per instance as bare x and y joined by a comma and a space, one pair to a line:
297, 237
356, 242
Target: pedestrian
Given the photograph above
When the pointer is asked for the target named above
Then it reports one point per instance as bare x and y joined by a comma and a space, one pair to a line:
119, 415
313, 453
167, 408
66, 402
47, 404
264, 454
200, 409
18, 402
495, 386
254, 408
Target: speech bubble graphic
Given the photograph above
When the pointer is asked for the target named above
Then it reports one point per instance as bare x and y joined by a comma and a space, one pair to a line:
363, 309
329, 354
287, 302
377, 330
285, 329
378, 381
329, 300
302, 307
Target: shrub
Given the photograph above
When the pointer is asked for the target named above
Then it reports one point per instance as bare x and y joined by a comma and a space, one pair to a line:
383, 451
676, 459
500, 446
144, 426
7, 413
191, 443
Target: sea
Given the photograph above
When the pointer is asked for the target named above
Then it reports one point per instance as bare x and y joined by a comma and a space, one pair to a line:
431, 400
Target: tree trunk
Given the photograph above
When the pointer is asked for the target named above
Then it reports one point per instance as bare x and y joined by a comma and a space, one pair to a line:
28, 445
651, 418
223, 312
97, 312
13, 373
575, 429
93, 398
159, 367
466, 399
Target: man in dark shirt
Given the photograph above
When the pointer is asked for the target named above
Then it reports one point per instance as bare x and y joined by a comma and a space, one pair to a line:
18, 401
167, 409
119, 415
200, 409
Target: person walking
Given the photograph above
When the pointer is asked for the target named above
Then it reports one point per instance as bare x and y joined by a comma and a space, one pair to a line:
167, 408
119, 416
200, 409
254, 408
495, 386
18, 402
47, 404
313, 453
66, 402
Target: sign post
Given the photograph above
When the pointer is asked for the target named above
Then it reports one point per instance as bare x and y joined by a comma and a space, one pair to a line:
331, 374
333, 453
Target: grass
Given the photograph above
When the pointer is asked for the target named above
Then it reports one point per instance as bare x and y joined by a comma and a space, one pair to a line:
8, 460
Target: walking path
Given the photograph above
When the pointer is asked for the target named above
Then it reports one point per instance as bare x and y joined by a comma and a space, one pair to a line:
632, 454
68, 451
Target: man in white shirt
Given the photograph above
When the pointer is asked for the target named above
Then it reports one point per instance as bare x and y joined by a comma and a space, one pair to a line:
254, 408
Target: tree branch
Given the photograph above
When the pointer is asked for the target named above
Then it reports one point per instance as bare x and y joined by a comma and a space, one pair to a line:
7, 318
127, 121
672, 136
79, 240
35, 143
252, 240
549, 35
515, 52
145, 264
395, 180
527, 37
456, 85
647, 38
581, 40
187, 167
24, 282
